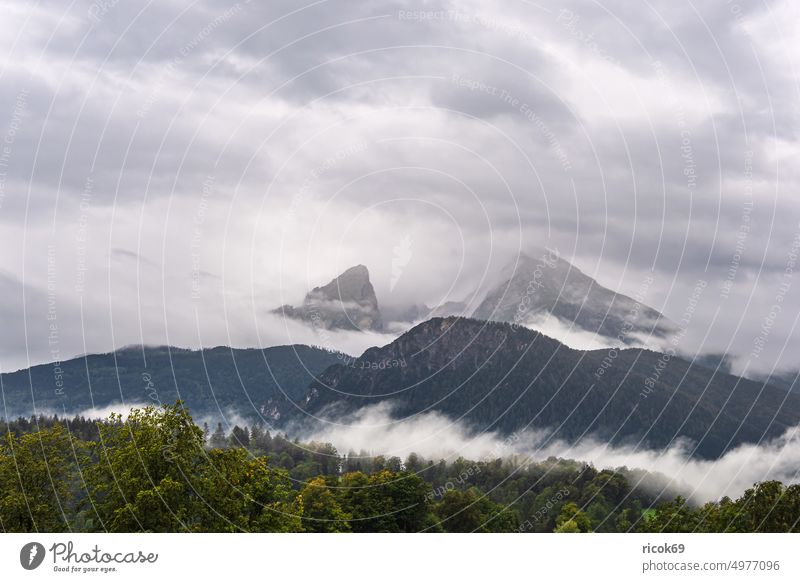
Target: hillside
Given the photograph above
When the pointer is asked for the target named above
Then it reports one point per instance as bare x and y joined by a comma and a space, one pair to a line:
207, 380
500, 377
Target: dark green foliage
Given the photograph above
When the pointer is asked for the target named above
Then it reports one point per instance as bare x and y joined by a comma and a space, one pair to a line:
38, 480
471, 511
766, 507
154, 471
78, 426
321, 509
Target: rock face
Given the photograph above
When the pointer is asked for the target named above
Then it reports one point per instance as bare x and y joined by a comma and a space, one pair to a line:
348, 302
545, 284
533, 288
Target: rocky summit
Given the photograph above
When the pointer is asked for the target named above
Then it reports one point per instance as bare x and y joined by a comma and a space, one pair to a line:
545, 284
347, 302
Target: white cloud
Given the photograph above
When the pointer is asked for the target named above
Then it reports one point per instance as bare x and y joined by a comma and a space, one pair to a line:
435, 436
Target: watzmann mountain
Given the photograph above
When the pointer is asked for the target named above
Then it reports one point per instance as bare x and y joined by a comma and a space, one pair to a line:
348, 302
492, 375
531, 289
545, 284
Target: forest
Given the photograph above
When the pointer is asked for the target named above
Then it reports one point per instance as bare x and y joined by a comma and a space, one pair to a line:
156, 470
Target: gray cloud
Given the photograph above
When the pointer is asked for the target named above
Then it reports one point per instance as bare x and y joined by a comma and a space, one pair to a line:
252, 151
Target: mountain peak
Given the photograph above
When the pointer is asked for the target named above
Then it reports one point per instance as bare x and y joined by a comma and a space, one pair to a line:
352, 284
346, 302
542, 284
357, 269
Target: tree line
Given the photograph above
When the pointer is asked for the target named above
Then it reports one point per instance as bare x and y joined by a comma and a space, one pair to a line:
157, 471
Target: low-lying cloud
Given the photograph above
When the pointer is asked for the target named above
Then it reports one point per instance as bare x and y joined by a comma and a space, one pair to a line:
435, 436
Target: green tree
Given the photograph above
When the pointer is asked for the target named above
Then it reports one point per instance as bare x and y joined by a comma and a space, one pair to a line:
766, 507
398, 502
354, 496
218, 440
38, 481
151, 472
675, 516
568, 526
240, 437
572, 519
241, 493
385, 501
472, 511
320, 510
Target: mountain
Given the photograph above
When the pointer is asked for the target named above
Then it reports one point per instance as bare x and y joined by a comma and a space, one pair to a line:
545, 285
449, 309
347, 302
786, 379
207, 380
419, 312
530, 291
506, 378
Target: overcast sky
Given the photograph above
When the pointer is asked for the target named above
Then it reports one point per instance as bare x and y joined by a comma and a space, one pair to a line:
169, 172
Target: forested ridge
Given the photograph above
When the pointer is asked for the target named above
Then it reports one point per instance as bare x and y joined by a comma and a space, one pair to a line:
207, 380
506, 378
156, 470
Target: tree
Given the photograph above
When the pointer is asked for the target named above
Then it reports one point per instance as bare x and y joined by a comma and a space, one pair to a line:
241, 493
572, 519
320, 511
139, 475
414, 463
256, 434
459, 511
385, 501
768, 507
677, 516
354, 496
765, 507
394, 464
568, 526
262, 441
37, 481
240, 437
471, 511
218, 439
328, 458
152, 473
398, 502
